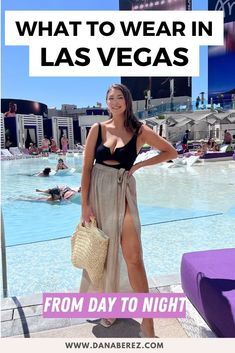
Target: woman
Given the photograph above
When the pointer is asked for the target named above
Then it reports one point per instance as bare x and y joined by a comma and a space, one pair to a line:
227, 138
211, 144
54, 147
44, 173
61, 165
54, 196
109, 192
64, 143
61, 192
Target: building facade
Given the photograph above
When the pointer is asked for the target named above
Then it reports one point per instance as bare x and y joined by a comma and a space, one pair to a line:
221, 59
151, 88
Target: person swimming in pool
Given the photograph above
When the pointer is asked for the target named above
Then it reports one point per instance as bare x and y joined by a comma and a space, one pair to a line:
61, 165
63, 192
56, 194
44, 173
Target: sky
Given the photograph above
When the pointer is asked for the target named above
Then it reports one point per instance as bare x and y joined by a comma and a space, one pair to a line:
55, 91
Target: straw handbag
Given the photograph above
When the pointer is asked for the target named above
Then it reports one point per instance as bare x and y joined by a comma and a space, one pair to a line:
89, 247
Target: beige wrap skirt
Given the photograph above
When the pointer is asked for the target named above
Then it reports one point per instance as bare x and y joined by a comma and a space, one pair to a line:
110, 191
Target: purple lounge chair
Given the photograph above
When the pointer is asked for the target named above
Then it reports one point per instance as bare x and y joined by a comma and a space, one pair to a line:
208, 280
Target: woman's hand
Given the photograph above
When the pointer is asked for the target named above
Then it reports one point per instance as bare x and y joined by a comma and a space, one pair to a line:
87, 213
134, 168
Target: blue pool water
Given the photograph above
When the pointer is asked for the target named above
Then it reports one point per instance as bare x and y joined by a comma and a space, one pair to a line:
181, 209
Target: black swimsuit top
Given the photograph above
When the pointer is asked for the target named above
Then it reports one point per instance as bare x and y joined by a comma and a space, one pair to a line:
67, 188
125, 155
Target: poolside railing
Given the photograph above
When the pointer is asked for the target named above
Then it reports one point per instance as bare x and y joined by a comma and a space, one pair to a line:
184, 106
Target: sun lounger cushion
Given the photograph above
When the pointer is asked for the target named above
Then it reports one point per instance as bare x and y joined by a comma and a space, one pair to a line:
208, 280
219, 154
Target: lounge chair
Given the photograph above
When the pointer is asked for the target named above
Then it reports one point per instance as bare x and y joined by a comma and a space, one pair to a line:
25, 153
208, 280
6, 155
16, 152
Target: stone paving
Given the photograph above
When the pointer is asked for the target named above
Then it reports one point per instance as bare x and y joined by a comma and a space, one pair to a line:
22, 317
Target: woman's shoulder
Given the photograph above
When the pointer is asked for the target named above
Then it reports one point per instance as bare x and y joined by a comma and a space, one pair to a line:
102, 123
94, 130
144, 129
94, 127
106, 122
145, 133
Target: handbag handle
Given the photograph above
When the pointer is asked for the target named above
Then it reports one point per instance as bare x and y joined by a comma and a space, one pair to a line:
91, 224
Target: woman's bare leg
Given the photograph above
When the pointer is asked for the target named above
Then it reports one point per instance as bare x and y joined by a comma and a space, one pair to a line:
136, 272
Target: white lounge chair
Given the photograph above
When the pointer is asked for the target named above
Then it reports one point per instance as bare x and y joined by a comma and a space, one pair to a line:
6, 155
16, 152
25, 152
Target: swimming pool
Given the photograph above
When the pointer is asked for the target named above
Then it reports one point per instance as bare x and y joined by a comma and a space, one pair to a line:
181, 209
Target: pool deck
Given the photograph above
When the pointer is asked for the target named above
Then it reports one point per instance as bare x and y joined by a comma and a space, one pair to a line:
22, 317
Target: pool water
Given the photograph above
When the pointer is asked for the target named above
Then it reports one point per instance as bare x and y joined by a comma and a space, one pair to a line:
28, 221
181, 209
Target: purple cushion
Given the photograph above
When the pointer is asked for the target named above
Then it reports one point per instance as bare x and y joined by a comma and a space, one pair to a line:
212, 155
208, 280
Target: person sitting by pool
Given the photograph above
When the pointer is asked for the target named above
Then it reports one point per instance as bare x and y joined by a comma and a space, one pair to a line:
33, 149
53, 146
44, 173
61, 165
202, 149
227, 138
212, 145
62, 192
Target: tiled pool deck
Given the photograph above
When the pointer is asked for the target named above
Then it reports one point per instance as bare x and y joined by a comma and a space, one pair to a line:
22, 317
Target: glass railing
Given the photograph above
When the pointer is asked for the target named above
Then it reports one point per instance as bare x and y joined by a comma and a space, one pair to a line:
184, 106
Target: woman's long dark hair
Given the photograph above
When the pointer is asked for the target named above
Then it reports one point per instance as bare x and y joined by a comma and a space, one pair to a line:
131, 122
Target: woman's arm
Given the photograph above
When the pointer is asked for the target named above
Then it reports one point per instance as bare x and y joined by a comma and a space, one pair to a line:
88, 162
43, 191
167, 151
